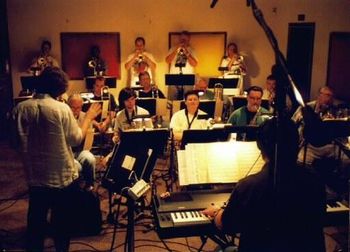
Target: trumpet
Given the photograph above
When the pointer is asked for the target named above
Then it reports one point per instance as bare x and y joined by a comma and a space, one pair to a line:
42, 61
140, 58
105, 93
92, 63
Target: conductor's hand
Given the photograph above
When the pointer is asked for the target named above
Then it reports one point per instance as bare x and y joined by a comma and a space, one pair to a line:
94, 110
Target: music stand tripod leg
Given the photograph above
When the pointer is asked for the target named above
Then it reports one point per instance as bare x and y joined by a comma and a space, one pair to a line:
130, 243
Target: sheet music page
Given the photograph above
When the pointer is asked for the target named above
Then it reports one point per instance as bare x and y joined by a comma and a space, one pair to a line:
219, 162
249, 159
222, 162
185, 177
198, 156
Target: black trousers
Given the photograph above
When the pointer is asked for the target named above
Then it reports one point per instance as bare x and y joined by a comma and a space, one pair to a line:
41, 201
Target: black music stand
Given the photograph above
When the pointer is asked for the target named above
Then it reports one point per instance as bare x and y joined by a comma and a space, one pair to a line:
208, 106
135, 155
150, 104
180, 80
204, 136
226, 83
244, 133
136, 144
29, 82
111, 81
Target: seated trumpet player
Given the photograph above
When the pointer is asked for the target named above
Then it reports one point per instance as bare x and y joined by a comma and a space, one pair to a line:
99, 90
148, 90
128, 110
43, 60
187, 118
250, 115
95, 66
138, 62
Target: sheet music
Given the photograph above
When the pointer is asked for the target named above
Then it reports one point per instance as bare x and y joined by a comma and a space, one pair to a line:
219, 162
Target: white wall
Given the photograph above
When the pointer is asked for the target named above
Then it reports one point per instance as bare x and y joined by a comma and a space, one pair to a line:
31, 21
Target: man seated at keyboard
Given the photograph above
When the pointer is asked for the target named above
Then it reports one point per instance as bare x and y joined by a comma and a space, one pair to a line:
283, 216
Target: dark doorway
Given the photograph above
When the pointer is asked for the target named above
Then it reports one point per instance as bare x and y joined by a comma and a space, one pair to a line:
300, 55
338, 74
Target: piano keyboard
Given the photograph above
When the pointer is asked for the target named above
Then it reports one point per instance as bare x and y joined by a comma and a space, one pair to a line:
336, 206
189, 218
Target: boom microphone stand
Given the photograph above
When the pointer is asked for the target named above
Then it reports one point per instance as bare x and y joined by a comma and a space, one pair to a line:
284, 82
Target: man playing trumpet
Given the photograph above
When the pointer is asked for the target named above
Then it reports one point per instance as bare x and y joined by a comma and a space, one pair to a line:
181, 59
43, 60
138, 62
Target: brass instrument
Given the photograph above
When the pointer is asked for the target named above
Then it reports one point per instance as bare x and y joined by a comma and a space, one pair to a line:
219, 102
219, 91
105, 94
140, 58
92, 63
42, 61
105, 97
253, 120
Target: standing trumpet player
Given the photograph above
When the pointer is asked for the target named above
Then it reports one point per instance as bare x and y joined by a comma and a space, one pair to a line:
138, 62
43, 60
182, 60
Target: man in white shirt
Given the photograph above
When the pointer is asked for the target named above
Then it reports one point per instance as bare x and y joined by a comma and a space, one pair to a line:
181, 59
138, 62
46, 131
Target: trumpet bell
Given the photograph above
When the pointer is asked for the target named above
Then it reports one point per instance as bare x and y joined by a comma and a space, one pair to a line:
92, 63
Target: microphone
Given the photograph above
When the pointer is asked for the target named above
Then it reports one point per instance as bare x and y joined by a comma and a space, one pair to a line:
213, 3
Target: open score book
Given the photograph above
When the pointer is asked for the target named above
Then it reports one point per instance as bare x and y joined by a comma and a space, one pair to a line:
218, 162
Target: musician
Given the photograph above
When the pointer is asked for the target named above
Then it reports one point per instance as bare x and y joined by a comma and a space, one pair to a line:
322, 106
148, 90
202, 87
270, 89
181, 59
233, 61
188, 118
98, 87
46, 131
95, 64
287, 216
128, 110
270, 93
251, 114
84, 157
138, 62
44, 59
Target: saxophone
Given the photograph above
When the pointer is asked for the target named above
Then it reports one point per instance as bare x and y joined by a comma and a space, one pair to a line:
253, 120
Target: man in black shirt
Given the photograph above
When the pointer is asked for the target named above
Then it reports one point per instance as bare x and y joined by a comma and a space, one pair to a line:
148, 91
283, 214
